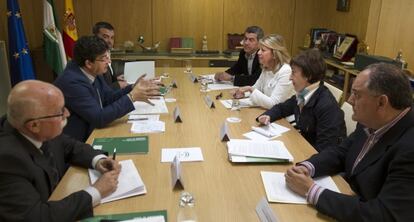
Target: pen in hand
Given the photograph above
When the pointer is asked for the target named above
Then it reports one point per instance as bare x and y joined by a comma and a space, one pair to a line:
114, 154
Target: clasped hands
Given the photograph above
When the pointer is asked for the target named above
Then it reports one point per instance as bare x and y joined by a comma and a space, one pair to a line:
298, 179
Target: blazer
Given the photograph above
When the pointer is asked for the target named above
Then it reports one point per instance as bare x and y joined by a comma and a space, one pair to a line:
383, 180
240, 72
26, 180
82, 100
321, 121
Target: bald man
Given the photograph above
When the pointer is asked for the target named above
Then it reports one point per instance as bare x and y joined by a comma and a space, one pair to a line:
34, 155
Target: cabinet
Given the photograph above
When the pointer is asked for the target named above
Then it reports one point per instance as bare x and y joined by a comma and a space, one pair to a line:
348, 75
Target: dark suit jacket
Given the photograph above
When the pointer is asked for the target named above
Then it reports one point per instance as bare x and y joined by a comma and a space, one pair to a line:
383, 181
26, 182
111, 77
82, 100
321, 121
240, 71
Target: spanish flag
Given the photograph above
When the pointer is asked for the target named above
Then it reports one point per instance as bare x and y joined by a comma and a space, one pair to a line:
70, 34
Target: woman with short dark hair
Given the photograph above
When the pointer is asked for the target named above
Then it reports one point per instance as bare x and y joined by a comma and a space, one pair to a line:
317, 114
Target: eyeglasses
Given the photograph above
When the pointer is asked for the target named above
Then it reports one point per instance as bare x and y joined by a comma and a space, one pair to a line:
47, 117
105, 58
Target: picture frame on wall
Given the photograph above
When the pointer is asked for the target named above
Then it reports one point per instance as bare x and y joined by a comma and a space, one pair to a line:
343, 5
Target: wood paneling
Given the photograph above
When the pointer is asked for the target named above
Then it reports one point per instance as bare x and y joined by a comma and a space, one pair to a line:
352, 22
394, 32
188, 18
130, 18
273, 16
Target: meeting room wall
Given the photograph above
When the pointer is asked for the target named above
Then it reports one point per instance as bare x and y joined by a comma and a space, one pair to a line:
383, 23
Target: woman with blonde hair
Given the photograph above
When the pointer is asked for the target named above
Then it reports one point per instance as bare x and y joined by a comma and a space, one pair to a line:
274, 85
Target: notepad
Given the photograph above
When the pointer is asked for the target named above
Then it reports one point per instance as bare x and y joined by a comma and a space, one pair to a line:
244, 103
123, 145
277, 190
129, 182
258, 151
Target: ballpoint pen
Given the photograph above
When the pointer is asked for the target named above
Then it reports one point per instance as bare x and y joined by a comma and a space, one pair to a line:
137, 119
114, 154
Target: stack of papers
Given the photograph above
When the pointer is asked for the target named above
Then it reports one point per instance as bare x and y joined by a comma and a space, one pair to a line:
218, 85
265, 133
129, 182
148, 126
277, 190
244, 103
258, 151
145, 108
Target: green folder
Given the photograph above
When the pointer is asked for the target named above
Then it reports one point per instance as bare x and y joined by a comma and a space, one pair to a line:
123, 145
127, 216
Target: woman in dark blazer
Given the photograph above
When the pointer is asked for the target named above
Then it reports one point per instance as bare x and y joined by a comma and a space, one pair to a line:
318, 116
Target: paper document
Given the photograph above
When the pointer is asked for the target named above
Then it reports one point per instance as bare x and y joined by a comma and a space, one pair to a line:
184, 154
252, 135
271, 130
218, 85
244, 103
135, 117
148, 127
265, 149
277, 190
129, 182
134, 70
145, 108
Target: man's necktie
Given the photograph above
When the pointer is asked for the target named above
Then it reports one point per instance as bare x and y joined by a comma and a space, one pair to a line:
51, 166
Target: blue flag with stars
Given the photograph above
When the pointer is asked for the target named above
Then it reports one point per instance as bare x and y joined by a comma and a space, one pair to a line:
21, 67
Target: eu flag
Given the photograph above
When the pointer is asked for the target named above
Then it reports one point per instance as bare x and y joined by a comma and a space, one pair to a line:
21, 67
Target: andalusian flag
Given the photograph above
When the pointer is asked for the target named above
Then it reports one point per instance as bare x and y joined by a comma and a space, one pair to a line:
52, 38
70, 34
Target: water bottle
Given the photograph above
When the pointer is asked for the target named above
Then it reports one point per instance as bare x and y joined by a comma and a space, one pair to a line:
186, 213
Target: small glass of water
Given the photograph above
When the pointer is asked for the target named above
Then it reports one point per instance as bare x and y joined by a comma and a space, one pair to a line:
235, 104
204, 85
188, 66
186, 212
165, 70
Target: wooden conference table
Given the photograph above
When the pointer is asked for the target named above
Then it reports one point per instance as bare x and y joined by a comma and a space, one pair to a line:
223, 191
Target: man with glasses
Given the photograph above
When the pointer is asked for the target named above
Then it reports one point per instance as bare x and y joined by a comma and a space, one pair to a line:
89, 99
114, 76
247, 69
34, 156
377, 158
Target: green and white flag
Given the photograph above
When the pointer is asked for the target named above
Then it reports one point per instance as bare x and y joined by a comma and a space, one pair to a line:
52, 39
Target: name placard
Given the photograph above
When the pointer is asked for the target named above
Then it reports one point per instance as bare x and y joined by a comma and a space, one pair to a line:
209, 102
177, 115
264, 211
224, 132
193, 78
176, 176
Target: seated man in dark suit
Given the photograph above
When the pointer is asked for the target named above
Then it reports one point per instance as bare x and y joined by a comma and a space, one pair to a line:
34, 155
89, 99
247, 69
114, 76
377, 158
